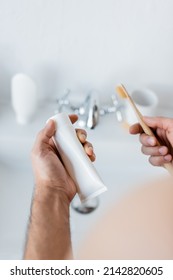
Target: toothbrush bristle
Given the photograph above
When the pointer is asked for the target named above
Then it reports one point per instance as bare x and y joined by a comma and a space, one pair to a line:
121, 92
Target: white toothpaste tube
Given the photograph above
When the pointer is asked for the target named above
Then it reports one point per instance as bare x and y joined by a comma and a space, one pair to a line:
75, 160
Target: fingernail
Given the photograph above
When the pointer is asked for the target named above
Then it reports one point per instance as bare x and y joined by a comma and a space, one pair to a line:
168, 158
83, 137
162, 150
90, 149
151, 141
48, 122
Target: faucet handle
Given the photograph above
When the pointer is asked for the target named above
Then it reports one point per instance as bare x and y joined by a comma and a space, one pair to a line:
115, 100
116, 108
64, 98
63, 101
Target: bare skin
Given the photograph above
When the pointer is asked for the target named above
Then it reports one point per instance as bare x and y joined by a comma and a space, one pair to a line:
163, 128
49, 229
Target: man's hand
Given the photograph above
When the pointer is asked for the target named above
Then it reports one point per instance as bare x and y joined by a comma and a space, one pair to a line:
49, 229
48, 169
163, 129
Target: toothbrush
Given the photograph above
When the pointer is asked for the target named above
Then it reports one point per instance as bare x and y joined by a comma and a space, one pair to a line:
122, 92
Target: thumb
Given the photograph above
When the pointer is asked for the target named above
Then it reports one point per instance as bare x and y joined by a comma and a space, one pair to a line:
50, 127
159, 122
44, 136
49, 130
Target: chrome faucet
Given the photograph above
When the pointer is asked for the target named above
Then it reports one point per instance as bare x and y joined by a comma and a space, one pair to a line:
89, 110
63, 101
93, 111
116, 107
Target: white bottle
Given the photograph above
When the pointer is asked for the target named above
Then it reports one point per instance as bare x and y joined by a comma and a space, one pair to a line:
75, 160
24, 97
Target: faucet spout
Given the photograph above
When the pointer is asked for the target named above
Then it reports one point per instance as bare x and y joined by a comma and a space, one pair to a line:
93, 111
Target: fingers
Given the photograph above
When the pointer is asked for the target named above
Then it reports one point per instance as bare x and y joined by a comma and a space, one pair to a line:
135, 129
82, 136
49, 129
159, 155
89, 151
155, 151
46, 133
159, 122
153, 122
160, 160
73, 118
44, 138
147, 140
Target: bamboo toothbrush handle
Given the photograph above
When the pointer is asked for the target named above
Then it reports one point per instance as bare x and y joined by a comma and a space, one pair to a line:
149, 132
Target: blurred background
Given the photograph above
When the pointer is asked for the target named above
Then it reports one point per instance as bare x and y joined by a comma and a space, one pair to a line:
81, 45
84, 44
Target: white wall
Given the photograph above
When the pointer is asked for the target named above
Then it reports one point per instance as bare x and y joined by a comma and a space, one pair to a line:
84, 44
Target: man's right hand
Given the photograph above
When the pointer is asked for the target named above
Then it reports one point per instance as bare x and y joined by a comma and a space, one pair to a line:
163, 129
